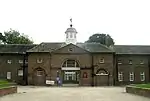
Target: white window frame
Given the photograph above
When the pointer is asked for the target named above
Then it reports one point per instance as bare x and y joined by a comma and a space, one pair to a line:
20, 72
39, 61
9, 61
20, 61
120, 76
102, 60
26, 61
142, 74
130, 62
119, 62
141, 62
8, 75
131, 76
39, 73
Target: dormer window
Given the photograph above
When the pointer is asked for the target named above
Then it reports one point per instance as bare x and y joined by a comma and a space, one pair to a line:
130, 62
119, 62
101, 60
39, 60
141, 62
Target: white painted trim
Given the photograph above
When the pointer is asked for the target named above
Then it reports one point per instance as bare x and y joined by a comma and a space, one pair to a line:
101, 74
70, 68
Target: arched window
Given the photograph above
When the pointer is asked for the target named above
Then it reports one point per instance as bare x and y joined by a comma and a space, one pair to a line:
70, 63
102, 72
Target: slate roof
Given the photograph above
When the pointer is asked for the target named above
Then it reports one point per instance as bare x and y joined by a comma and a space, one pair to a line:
15, 48
91, 47
132, 49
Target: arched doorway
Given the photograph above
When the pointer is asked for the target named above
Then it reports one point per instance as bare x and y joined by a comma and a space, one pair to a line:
70, 71
39, 77
102, 77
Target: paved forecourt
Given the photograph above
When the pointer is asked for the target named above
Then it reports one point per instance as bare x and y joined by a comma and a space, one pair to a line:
29, 93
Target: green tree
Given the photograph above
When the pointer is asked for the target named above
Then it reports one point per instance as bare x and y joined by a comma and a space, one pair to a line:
104, 39
14, 37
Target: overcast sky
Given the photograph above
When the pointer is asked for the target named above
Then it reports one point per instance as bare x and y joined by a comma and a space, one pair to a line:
127, 21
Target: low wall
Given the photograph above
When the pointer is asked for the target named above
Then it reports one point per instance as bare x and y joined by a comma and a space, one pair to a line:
138, 91
8, 90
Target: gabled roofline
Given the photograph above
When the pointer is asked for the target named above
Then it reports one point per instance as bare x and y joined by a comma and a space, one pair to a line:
68, 45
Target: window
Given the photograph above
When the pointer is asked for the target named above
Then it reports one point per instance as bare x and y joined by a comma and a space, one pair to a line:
70, 49
9, 61
26, 61
142, 76
39, 60
120, 76
85, 75
131, 77
130, 62
119, 62
141, 62
71, 35
70, 63
20, 61
39, 73
8, 75
20, 72
66, 35
74, 35
101, 60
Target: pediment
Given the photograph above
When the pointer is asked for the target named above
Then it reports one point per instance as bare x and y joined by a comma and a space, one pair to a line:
70, 48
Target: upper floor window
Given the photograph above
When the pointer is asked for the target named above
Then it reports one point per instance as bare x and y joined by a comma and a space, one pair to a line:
142, 76
130, 62
39, 60
119, 62
101, 60
141, 62
20, 61
26, 61
120, 76
131, 76
9, 61
20, 72
70, 63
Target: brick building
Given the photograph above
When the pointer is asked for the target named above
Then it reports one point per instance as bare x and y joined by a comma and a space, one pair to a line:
83, 64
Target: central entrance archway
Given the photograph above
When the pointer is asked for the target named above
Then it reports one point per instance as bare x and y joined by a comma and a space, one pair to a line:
70, 71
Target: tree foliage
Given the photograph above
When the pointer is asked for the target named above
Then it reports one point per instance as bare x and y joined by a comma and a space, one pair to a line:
14, 37
104, 39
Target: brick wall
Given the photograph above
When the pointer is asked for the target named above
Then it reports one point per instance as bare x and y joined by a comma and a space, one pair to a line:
8, 90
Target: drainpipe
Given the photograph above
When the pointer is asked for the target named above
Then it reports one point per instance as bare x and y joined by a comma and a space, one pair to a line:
50, 65
92, 72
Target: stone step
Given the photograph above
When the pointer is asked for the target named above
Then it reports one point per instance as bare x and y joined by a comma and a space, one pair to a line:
70, 85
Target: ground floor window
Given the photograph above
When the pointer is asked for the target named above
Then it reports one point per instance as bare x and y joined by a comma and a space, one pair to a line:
142, 76
131, 76
120, 76
8, 75
39, 73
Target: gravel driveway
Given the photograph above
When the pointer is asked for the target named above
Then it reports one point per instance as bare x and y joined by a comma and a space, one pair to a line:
30, 93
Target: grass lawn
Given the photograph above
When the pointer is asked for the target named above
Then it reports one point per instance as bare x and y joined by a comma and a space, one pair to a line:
5, 83
143, 85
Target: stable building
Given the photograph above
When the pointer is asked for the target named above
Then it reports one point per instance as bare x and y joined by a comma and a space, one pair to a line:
71, 62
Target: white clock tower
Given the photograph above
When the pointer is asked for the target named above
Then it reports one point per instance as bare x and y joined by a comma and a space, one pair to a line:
71, 34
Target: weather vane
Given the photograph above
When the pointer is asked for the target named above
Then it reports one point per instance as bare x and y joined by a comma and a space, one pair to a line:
71, 22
